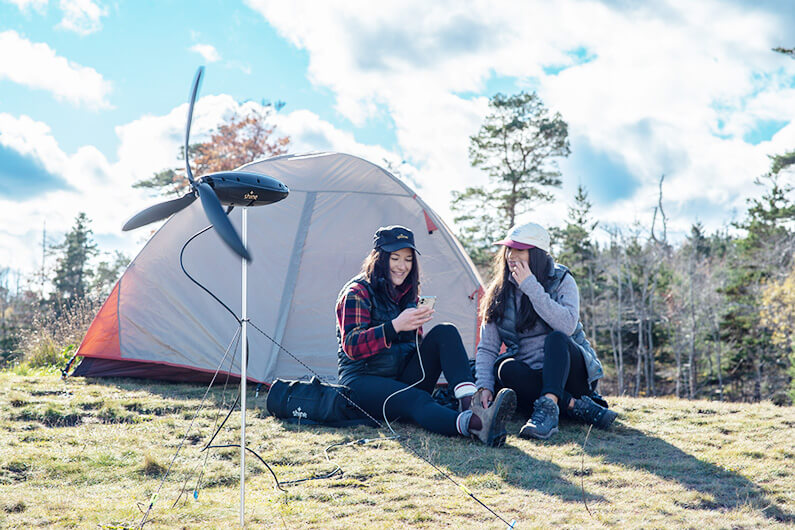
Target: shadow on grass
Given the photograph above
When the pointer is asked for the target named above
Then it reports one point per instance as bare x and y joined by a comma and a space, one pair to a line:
622, 445
219, 393
463, 458
629, 447
469, 459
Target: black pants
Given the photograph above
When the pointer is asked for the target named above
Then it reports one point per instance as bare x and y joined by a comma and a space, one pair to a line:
563, 374
442, 352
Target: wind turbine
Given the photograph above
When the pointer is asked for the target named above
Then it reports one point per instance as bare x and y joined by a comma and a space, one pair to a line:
231, 188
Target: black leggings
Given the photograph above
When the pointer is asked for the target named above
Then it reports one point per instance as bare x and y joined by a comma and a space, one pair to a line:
563, 375
442, 352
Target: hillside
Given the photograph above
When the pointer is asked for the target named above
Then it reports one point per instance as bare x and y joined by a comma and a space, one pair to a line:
90, 453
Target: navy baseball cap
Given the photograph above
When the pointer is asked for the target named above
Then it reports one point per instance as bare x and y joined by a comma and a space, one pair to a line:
392, 238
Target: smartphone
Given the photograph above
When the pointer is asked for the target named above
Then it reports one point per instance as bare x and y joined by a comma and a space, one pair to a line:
427, 301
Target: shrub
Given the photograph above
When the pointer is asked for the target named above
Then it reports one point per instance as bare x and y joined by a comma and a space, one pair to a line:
153, 468
55, 334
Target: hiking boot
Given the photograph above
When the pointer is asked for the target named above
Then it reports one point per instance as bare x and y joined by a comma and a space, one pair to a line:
544, 421
587, 410
493, 419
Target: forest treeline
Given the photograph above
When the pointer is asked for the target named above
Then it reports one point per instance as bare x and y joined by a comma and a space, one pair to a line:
708, 316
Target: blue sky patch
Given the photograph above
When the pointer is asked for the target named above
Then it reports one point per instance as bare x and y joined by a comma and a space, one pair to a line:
151, 76
603, 174
496, 83
22, 176
579, 56
378, 130
555, 70
763, 131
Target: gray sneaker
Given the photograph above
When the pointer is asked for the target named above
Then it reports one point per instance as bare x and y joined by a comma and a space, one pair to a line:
544, 421
585, 409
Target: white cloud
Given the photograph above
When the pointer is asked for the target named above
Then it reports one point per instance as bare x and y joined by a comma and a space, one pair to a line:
37, 66
308, 132
82, 16
103, 189
33, 139
27, 5
648, 85
207, 51
93, 185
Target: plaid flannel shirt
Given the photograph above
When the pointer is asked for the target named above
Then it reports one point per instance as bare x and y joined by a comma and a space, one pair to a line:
359, 340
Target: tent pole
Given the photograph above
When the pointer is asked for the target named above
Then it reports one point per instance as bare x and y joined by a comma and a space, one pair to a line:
243, 363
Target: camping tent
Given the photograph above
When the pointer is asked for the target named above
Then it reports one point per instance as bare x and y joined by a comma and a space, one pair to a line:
157, 324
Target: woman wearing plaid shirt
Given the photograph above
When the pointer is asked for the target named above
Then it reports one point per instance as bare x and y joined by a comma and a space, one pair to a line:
379, 329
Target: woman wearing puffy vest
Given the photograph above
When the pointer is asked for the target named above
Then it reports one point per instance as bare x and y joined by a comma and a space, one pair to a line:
533, 307
384, 358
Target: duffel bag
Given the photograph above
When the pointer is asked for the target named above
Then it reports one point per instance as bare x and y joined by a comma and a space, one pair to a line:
314, 402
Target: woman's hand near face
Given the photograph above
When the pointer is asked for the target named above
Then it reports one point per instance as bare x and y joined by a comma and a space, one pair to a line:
412, 318
520, 270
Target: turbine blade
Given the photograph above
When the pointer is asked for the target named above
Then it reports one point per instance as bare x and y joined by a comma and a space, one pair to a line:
221, 223
158, 212
194, 91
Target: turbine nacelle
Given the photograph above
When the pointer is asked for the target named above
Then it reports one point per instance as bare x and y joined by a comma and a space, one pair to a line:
240, 188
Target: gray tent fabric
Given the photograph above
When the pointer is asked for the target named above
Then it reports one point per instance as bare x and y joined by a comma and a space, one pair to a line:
304, 248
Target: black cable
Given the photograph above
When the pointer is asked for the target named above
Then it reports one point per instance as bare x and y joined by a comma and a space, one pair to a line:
239, 322
232, 408
278, 484
422, 378
204, 462
191, 278
153, 499
207, 445
299, 361
407, 445
215, 422
155, 495
396, 437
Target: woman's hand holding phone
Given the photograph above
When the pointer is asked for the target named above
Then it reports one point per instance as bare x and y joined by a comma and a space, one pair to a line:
412, 318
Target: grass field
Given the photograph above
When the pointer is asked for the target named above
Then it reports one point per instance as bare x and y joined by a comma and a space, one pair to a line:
90, 454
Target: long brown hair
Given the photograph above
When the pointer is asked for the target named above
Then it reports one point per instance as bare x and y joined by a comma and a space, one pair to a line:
492, 307
375, 269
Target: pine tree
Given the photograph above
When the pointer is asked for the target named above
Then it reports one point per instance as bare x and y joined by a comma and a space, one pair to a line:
517, 146
578, 253
72, 272
764, 254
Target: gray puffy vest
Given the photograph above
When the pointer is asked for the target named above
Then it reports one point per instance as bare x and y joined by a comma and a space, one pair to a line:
389, 362
509, 336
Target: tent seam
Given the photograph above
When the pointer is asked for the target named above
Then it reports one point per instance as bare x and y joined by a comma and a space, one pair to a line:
118, 315
288, 292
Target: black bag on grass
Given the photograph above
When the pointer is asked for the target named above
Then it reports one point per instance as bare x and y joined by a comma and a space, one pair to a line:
314, 402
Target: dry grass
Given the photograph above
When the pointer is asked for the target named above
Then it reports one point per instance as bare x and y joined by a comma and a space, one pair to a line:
87, 454
51, 339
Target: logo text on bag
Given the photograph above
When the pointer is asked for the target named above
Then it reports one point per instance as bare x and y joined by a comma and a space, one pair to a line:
298, 413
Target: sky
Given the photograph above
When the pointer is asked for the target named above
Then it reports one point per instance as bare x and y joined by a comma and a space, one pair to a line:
93, 97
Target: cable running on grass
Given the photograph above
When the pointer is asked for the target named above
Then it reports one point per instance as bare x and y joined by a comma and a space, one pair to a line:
394, 436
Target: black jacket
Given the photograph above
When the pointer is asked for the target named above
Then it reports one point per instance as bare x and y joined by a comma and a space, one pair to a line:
391, 361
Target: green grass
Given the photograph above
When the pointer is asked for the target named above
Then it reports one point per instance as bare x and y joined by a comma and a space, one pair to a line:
90, 454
